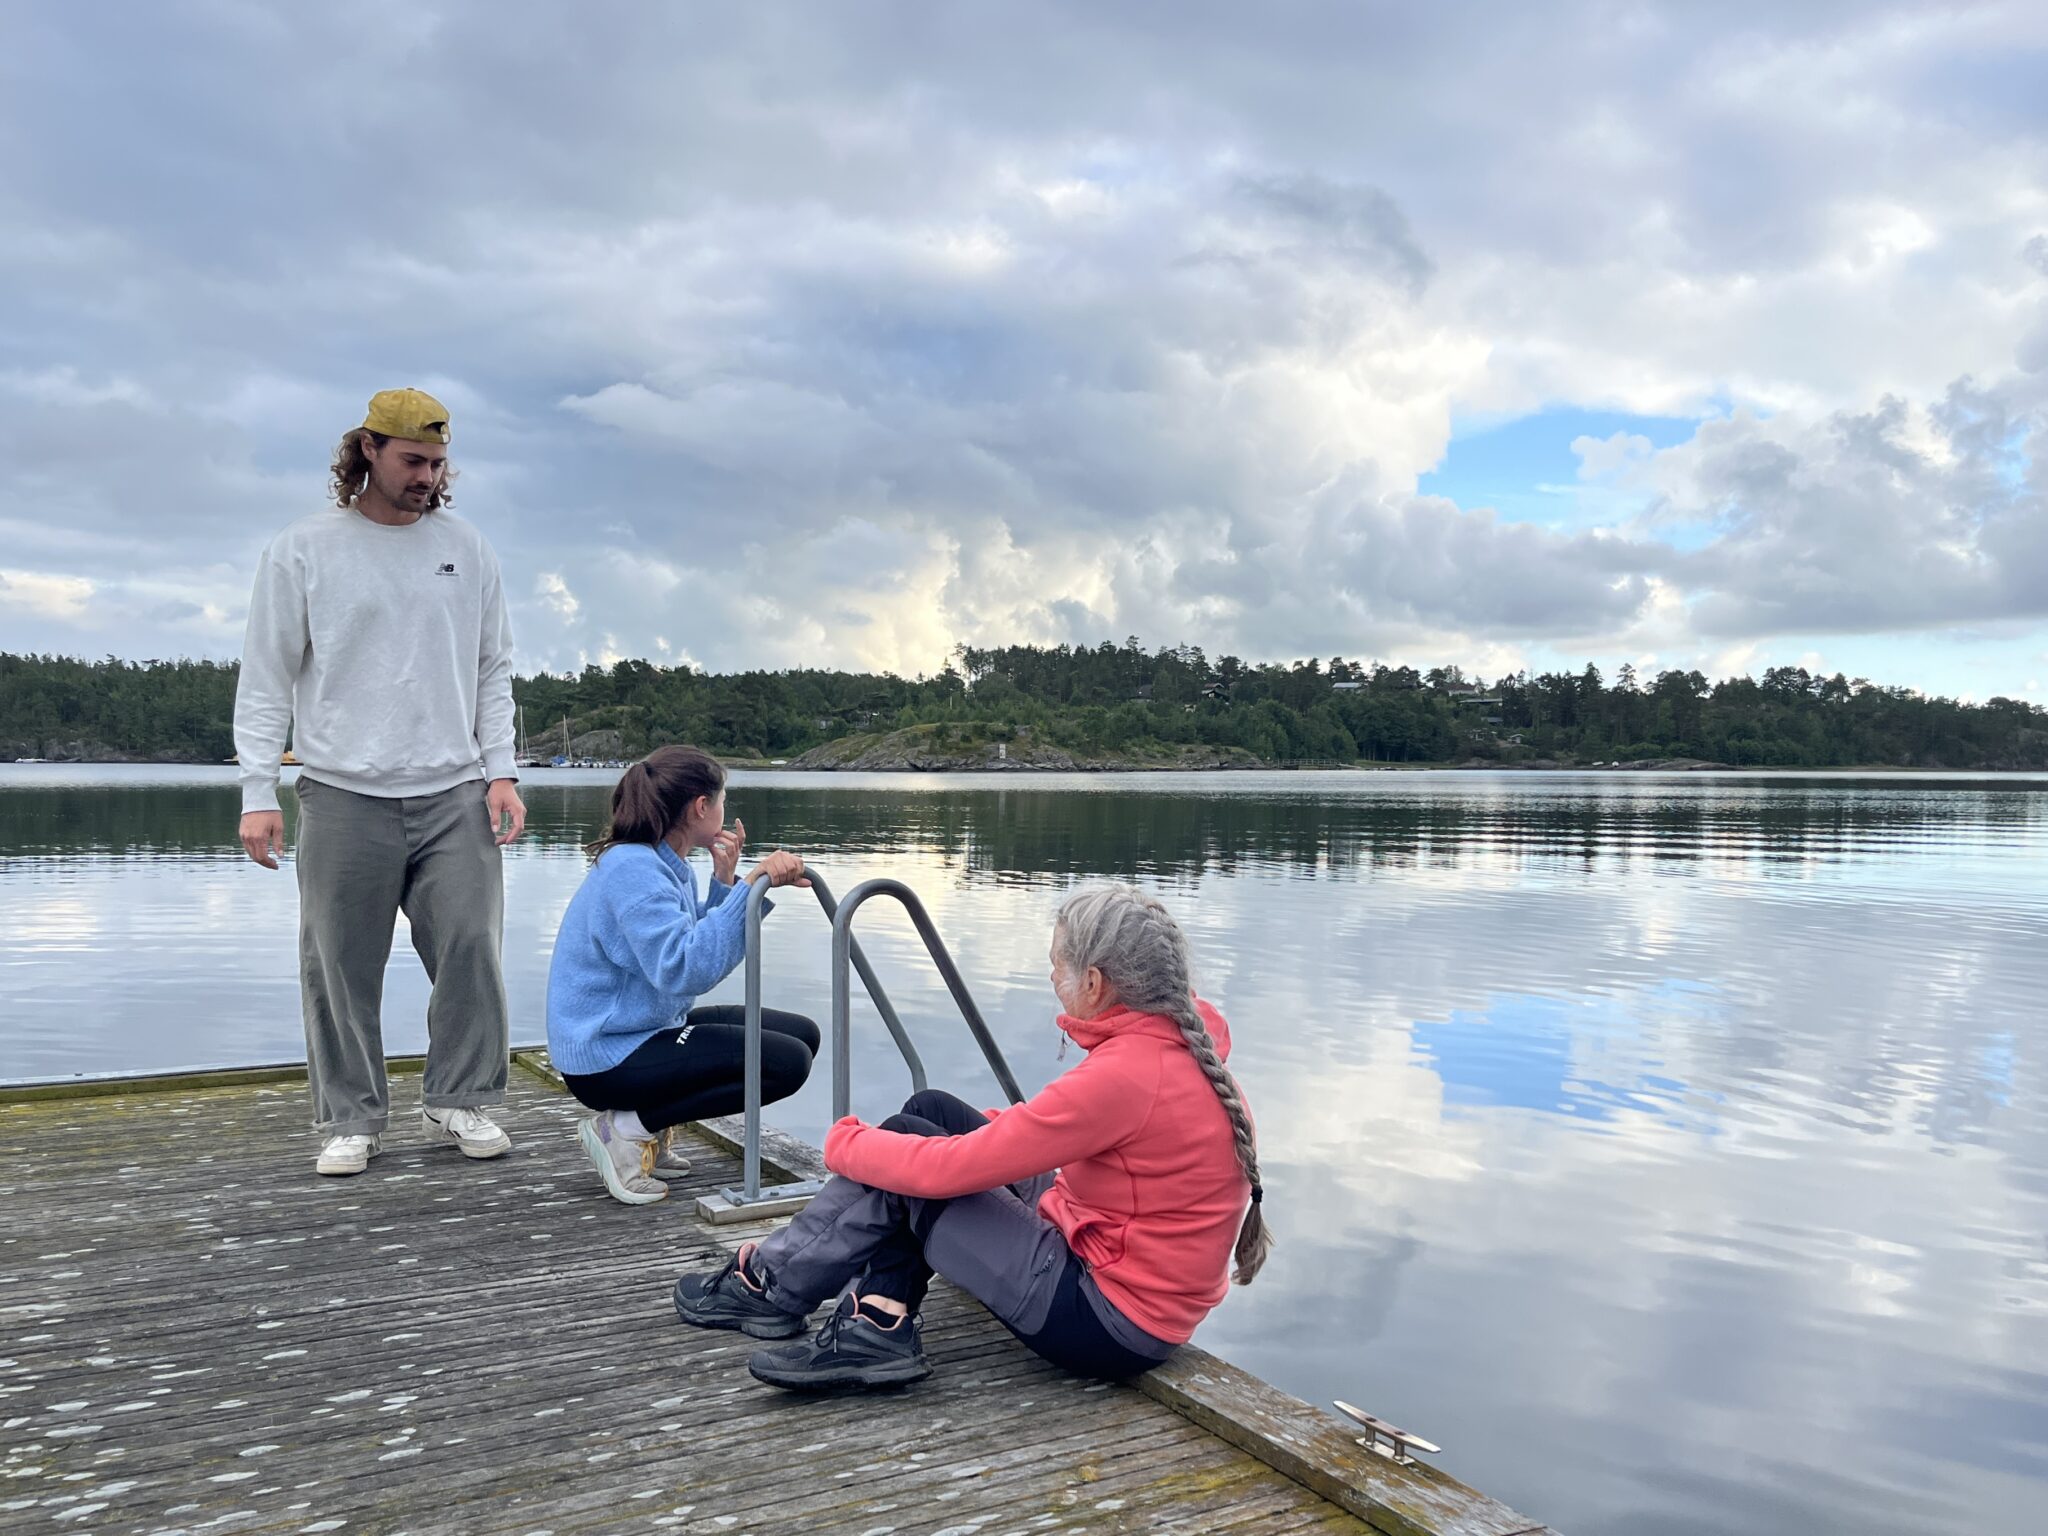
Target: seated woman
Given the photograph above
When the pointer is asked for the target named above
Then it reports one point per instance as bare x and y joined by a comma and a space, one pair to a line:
636, 948
1097, 1220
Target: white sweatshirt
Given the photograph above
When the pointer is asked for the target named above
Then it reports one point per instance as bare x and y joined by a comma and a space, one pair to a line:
390, 649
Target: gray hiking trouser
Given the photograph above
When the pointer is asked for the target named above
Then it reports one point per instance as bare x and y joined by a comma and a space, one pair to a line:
363, 859
994, 1245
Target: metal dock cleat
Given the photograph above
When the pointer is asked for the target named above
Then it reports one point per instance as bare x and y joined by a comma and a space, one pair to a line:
1387, 1439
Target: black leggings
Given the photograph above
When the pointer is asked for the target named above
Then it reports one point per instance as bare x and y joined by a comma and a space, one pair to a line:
698, 1070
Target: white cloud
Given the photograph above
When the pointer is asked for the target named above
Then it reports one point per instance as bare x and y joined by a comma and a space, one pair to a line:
52, 597
1604, 458
62, 386
554, 593
1896, 518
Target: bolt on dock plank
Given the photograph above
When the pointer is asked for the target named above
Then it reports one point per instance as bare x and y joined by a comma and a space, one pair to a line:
198, 1333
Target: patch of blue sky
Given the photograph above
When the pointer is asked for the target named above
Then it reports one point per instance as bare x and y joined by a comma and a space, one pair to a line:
2015, 465
1526, 471
1971, 664
1958, 664
1686, 537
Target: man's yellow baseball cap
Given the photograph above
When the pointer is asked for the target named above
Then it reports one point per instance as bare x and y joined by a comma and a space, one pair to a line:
412, 414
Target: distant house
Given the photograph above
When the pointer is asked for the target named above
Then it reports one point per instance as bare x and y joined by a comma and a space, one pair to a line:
1345, 687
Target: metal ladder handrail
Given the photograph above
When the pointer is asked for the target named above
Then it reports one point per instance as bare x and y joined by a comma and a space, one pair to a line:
843, 948
757, 893
846, 954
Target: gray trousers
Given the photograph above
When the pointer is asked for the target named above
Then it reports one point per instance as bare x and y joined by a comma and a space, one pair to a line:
994, 1245
361, 860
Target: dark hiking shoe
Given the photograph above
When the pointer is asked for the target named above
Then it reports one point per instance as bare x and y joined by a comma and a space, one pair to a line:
850, 1350
719, 1298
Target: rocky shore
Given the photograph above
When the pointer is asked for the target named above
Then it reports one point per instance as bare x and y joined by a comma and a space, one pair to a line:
943, 749
81, 750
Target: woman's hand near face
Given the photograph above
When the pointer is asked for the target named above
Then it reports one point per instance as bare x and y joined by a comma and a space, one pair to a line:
725, 851
781, 868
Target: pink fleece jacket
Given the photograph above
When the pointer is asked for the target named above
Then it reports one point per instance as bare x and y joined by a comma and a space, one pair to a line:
1149, 1191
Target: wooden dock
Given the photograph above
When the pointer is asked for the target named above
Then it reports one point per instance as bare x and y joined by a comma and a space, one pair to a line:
197, 1334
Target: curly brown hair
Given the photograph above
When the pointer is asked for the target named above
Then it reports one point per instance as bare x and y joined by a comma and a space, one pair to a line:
350, 472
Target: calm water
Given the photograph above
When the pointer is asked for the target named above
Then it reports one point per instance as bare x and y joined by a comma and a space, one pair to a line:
1672, 1150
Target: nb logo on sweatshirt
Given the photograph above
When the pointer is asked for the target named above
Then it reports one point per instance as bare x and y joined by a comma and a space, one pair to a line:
444, 570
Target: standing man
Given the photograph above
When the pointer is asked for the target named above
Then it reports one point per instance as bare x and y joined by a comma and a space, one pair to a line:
377, 630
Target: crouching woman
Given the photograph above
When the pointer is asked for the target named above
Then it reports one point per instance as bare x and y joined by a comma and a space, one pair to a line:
1098, 1220
636, 948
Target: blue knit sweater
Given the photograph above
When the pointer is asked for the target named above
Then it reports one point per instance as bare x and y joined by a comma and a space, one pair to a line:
636, 948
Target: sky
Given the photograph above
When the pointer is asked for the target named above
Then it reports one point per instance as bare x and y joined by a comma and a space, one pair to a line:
793, 335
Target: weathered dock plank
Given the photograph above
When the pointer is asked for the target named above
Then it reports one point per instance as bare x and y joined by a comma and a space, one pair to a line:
198, 1334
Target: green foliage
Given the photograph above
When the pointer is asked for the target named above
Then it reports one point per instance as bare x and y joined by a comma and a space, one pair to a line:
1115, 698
172, 711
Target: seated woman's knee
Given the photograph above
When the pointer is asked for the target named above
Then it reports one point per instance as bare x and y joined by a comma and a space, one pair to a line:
934, 1104
914, 1125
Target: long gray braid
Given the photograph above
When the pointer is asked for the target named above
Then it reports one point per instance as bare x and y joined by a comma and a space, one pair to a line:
1143, 955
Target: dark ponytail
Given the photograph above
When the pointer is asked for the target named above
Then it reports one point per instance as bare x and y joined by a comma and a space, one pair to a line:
652, 795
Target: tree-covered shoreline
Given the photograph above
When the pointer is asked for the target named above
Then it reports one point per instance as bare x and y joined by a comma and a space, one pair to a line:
1105, 706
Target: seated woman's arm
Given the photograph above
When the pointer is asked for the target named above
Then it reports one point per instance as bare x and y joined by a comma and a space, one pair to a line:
1080, 1113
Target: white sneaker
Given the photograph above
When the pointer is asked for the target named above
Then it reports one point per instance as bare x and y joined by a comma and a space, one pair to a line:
626, 1165
347, 1154
470, 1129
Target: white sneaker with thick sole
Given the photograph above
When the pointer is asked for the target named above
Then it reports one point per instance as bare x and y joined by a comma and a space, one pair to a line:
344, 1155
626, 1165
470, 1129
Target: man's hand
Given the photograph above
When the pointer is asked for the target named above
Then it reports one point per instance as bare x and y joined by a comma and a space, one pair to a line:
508, 811
263, 836
725, 851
